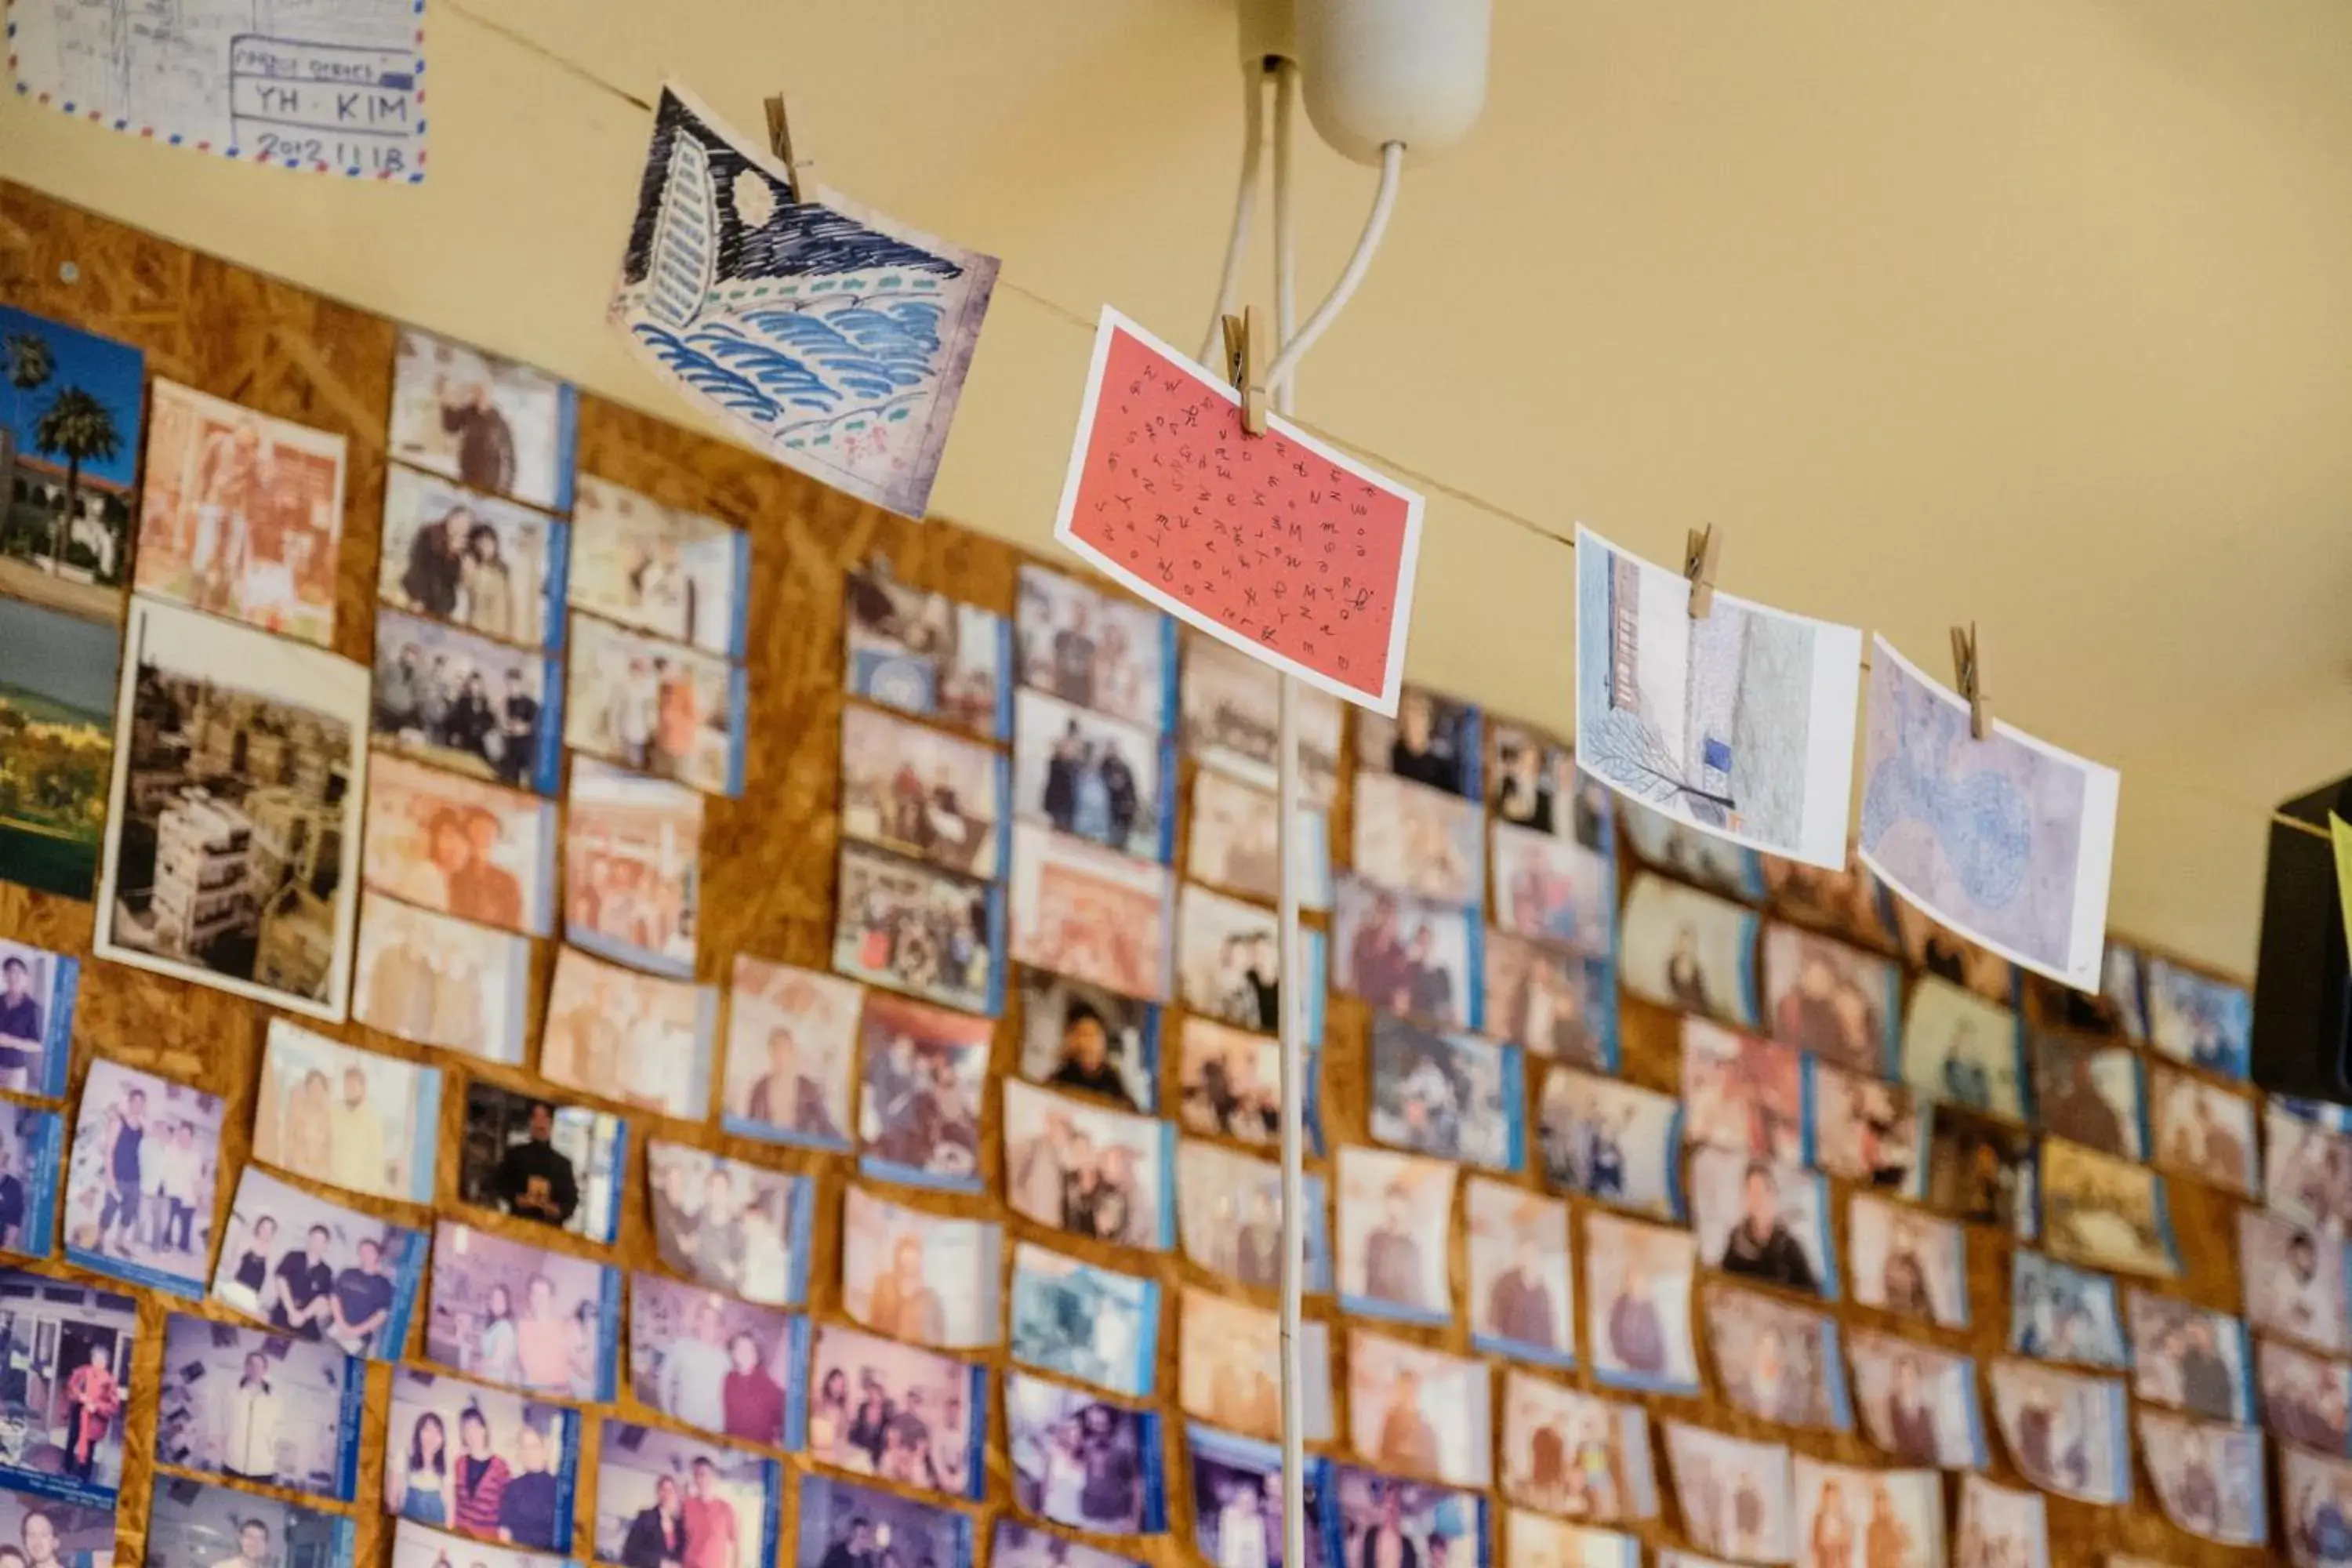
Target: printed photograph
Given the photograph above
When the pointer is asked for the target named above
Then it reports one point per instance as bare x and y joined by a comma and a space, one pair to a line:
1418, 1412
1084, 1321
1553, 890
454, 847
1092, 776
1983, 1171
317, 1271
192, 1524
488, 423
1232, 843
923, 793
1555, 1003
466, 704
928, 655
1080, 1460
259, 1407
2202, 1130
1522, 1291
38, 989
349, 1118
663, 1498
1083, 1168
1103, 919
1963, 1051
1868, 1130
1687, 855
1237, 1498
1894, 1517
1691, 952
653, 707
1082, 1037
728, 1225
139, 1186
2064, 1431
1396, 1216
481, 1462
2200, 1021
1763, 1222
1096, 650
56, 701
1918, 1402
538, 1160
920, 1276
905, 1415
1907, 1262
632, 867
855, 1527
1847, 903
2188, 1358
925, 1071
2306, 1165
1954, 959
2306, 1399
68, 1349
1611, 1141
1459, 1097
1018, 1546
659, 569
413, 1546
433, 980
1841, 1003
1535, 1542
2105, 1212
1228, 1217
1406, 956
1229, 961
1532, 783
1740, 722
2315, 1505
1734, 1492
2089, 1093
1389, 1519
520, 1316
461, 556
2060, 1314
1229, 1084
240, 515
791, 1045
1419, 840
1574, 1456
1637, 1305
1232, 722
2293, 1281
1745, 1095
73, 432
233, 822
1433, 740
915, 928
1229, 1367
32, 1156
643, 1040
2209, 1478
1999, 1527
1778, 1363
713, 1363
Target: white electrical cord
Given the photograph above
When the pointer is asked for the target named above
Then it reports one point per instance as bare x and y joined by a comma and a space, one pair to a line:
1383, 202
1229, 282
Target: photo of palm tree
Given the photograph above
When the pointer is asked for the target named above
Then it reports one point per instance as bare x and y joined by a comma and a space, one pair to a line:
69, 422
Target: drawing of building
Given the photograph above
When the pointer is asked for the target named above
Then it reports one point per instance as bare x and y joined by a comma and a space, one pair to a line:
203, 859
684, 255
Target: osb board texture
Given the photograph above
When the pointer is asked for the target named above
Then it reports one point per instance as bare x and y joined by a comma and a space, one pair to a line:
769, 861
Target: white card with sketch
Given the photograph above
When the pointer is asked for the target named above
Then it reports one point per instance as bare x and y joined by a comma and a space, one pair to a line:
1740, 723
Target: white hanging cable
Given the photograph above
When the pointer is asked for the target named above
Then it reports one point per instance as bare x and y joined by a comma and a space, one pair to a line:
1229, 282
1375, 224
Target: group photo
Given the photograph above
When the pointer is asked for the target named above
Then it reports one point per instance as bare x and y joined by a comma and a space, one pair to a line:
522, 1317
139, 1184
466, 704
667, 1502
316, 1270
791, 1045
481, 1462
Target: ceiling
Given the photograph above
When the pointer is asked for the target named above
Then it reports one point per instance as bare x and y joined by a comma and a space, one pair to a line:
2029, 311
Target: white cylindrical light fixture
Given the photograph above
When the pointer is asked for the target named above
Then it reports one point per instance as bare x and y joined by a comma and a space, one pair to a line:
1377, 71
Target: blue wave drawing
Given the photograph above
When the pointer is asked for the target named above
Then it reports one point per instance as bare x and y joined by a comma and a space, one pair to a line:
799, 372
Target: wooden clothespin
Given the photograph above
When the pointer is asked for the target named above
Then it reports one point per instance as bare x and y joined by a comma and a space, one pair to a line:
1967, 675
1701, 547
780, 143
1245, 366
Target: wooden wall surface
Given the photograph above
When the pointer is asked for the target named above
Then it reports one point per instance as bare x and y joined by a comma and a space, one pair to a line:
769, 856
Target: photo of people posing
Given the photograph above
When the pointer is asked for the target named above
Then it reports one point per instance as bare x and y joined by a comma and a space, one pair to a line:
460, 848
1228, 1217
1433, 740
1733, 1492
2089, 1094
653, 707
1229, 962
1017, 1545
1690, 855
1092, 776
659, 569
1961, 1050
488, 423
907, 1415
1084, 1323
846, 1526
907, 926
317, 1271
1407, 956
1841, 1003
1095, 916
1777, 1363
643, 1040
1237, 1498
1554, 1003
1418, 840
1096, 650
1761, 1221
1396, 1216
2059, 1313
2209, 1476
923, 793
1848, 903
664, 1498
1087, 1170
522, 1317
466, 704
632, 867
2307, 1165
2294, 1281
1982, 1170
1869, 1132
927, 654
1637, 1305
1232, 721
255, 1407
1085, 1040
2188, 1358
1459, 1097
791, 1043
1081, 1461
731, 1226
192, 1524
1536, 1542
1522, 1293
1232, 843
1999, 1527
713, 1363
1953, 959
433, 980
1553, 890
2063, 1430
139, 1189
1575, 1456
920, 1276
1904, 1261
2202, 1130
1885, 1519
1229, 1367
533, 1159
1418, 1412
32, 1148
1745, 1095
2199, 1021
918, 1118
36, 1007
1392, 1519
2105, 1212
345, 1117
2306, 1399
459, 555
1532, 783
481, 1462
1612, 1141
1918, 1403
1691, 952
1229, 1084
61, 1417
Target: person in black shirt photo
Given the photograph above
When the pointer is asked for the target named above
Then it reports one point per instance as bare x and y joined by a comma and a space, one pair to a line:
20, 1015
1417, 752
534, 1180
1085, 1063
299, 1300
362, 1299
1760, 1246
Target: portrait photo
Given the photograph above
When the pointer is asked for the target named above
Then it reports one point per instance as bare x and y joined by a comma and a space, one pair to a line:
1390, 1519
233, 821
2063, 1430
2199, 1021
619, 1034
192, 1524
482, 1462
1083, 1038
928, 1278
1407, 955
653, 707
348, 1117
1776, 1362
1637, 1305
924, 792
2307, 1164
2105, 1212
2061, 1313
632, 867
1983, 1170
1229, 1367
1733, 1492
1611, 1141
1849, 904
1745, 1095
879, 1409
488, 423
2202, 1130
1232, 843
1237, 1498
1841, 1003
1556, 1004
1536, 1542
1691, 952
1433, 740
37, 988
2314, 1504
460, 848
466, 704
663, 1497
1522, 1283
1094, 650
1232, 721
520, 1316
1905, 1261
1083, 1168
1229, 1084
1573, 1454
1871, 1132
846, 1526
61, 1416
1419, 840
141, 1178
434, 980
317, 1271
927, 654
1092, 776
1083, 1321
1887, 1518
1532, 783
729, 1225
1918, 1403
2089, 1093
714, 1363
1016, 1546
1952, 958
791, 1053
1228, 1217
2306, 1399
1229, 962
1707, 859
1079, 1459
1762, 1222
1963, 1051
459, 555
1418, 1412
240, 515
1396, 1217
1104, 919
925, 1070
1553, 890
540, 1159
1999, 1527
659, 569
257, 1406
2294, 1281
2209, 1476
1456, 1096
2188, 1358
